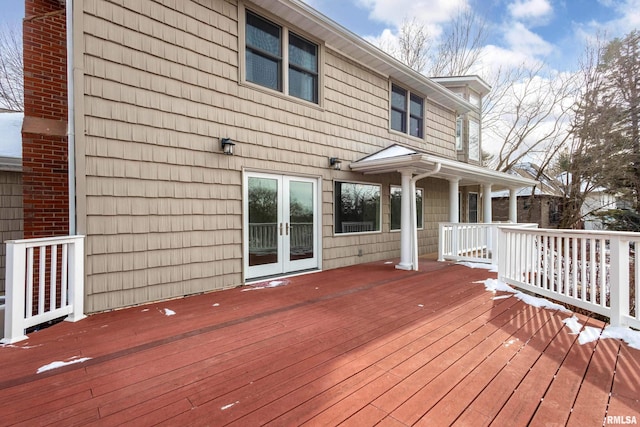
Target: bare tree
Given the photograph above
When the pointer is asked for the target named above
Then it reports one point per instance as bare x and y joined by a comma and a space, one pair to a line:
529, 114
412, 45
11, 69
460, 45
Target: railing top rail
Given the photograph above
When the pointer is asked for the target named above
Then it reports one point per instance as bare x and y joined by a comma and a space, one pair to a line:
44, 241
490, 224
576, 233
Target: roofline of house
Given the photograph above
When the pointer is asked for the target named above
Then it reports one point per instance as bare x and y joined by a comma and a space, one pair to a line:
10, 164
360, 50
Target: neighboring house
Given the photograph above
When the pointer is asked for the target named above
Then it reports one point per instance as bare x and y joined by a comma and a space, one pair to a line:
10, 184
329, 134
541, 204
597, 199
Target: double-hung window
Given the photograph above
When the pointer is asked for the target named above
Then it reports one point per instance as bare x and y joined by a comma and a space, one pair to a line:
474, 140
279, 59
407, 112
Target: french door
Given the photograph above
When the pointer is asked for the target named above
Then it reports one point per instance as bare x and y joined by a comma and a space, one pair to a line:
280, 226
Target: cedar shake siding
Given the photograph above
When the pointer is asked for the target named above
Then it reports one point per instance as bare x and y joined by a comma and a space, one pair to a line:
11, 223
161, 206
44, 141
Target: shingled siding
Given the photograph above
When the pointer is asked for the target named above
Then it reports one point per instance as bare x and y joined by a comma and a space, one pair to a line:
11, 217
164, 206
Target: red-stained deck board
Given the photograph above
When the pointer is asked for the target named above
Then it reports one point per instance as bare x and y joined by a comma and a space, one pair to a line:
363, 345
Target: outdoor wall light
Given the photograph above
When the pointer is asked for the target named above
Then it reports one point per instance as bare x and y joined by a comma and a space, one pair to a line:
227, 146
336, 163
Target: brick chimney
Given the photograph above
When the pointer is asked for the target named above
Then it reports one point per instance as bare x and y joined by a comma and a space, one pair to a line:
44, 131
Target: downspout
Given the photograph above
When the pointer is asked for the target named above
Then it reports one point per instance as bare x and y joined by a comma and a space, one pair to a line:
71, 143
414, 213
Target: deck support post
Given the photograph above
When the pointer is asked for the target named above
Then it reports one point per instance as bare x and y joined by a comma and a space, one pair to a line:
406, 238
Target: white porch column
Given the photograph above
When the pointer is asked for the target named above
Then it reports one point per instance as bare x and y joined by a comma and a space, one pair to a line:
454, 209
487, 216
405, 222
513, 206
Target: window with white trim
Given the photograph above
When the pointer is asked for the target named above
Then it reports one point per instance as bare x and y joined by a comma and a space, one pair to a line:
266, 64
474, 140
407, 112
396, 208
357, 207
459, 133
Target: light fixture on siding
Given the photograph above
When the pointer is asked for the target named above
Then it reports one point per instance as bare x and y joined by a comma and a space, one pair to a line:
336, 163
227, 146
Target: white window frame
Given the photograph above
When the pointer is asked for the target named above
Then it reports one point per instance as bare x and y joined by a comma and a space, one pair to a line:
469, 207
407, 111
351, 233
476, 154
460, 133
285, 29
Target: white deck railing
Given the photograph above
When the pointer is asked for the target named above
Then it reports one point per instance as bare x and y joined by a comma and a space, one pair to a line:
471, 242
263, 237
594, 270
44, 281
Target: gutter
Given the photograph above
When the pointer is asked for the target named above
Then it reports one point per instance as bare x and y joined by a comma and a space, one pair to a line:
414, 213
71, 143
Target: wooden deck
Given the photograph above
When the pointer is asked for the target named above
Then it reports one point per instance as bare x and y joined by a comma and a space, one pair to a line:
364, 345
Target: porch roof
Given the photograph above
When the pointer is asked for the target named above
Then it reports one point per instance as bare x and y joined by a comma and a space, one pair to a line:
397, 157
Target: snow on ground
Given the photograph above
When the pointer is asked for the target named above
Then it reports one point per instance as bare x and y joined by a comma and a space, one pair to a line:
265, 285
169, 312
59, 364
586, 334
491, 267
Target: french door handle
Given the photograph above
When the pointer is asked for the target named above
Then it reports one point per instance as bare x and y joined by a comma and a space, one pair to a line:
281, 229
287, 229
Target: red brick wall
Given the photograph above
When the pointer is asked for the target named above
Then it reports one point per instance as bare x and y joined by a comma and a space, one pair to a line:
44, 141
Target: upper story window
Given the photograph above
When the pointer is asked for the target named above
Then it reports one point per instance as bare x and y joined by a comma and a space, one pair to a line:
279, 59
459, 139
474, 99
407, 112
474, 140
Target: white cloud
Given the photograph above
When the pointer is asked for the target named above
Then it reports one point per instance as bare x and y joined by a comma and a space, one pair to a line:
627, 19
521, 39
530, 9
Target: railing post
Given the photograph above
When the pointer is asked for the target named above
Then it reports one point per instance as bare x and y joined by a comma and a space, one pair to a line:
14, 298
442, 240
76, 280
504, 253
619, 286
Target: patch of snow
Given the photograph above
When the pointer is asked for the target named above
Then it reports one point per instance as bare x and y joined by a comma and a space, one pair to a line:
540, 302
494, 285
510, 342
628, 335
58, 364
216, 305
573, 324
502, 297
265, 285
225, 407
490, 267
388, 262
589, 334
146, 309
420, 305
26, 347
169, 312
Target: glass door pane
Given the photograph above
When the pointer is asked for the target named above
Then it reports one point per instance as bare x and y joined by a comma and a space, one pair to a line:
301, 209
264, 234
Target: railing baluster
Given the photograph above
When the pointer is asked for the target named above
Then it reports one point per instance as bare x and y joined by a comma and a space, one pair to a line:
603, 274
29, 290
53, 277
63, 276
593, 265
42, 266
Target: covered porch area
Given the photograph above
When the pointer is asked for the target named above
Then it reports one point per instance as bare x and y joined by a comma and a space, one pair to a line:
413, 166
362, 345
